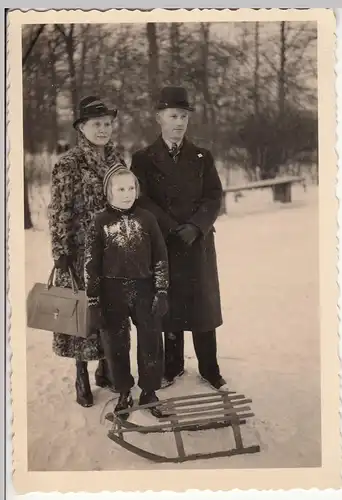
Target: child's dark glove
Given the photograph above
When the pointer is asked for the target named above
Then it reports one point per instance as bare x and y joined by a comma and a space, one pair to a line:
96, 321
160, 304
63, 263
188, 233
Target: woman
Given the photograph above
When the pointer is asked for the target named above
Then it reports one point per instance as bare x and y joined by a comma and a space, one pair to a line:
76, 195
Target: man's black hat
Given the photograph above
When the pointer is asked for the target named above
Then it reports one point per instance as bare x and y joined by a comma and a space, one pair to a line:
174, 97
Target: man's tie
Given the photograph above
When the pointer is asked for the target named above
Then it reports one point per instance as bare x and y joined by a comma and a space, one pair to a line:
174, 152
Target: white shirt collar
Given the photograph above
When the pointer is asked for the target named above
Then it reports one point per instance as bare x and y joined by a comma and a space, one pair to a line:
169, 143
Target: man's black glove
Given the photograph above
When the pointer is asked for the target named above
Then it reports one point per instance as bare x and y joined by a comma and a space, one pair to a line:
63, 263
160, 304
172, 234
96, 321
188, 233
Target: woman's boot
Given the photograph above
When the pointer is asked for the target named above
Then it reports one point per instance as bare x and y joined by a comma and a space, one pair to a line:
125, 402
84, 395
102, 376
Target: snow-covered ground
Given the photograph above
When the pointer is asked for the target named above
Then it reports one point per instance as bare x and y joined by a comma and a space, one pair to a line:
268, 349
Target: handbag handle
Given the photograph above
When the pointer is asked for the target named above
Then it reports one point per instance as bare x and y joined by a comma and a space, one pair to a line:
72, 278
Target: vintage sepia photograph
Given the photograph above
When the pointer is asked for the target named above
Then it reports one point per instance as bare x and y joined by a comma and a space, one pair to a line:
171, 205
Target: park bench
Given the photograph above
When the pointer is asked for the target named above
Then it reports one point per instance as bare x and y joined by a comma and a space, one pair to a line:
281, 187
188, 413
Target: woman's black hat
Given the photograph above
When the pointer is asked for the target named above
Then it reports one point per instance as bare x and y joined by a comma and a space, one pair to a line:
93, 107
174, 97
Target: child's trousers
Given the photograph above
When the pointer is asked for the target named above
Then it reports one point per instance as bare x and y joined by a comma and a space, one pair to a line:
120, 299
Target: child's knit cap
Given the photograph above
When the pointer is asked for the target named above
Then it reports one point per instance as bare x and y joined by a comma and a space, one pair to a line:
117, 168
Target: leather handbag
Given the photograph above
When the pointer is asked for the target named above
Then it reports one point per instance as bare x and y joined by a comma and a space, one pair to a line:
57, 309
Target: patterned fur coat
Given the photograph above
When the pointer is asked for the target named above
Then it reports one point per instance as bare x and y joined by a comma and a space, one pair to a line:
76, 195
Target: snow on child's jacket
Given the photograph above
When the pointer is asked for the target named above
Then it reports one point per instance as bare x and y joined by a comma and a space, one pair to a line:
124, 244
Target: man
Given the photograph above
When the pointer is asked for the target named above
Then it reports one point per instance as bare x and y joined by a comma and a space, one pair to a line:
181, 187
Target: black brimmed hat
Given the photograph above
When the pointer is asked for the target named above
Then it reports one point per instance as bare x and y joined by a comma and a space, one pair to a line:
93, 107
174, 97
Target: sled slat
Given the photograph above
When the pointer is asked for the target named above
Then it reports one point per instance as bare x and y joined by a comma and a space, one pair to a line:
219, 424
219, 411
197, 396
205, 401
215, 419
186, 423
166, 403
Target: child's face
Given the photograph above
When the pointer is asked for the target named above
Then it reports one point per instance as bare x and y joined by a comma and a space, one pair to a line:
122, 191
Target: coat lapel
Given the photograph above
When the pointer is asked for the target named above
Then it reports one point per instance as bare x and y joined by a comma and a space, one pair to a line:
189, 153
163, 161
160, 157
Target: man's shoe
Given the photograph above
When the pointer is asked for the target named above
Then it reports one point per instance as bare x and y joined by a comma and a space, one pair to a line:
125, 402
219, 385
150, 397
166, 382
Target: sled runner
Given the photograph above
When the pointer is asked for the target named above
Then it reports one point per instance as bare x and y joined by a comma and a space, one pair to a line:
188, 413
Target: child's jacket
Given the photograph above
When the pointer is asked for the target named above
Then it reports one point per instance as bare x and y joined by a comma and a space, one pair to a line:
124, 245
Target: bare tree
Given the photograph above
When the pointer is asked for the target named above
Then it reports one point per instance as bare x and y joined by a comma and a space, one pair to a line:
175, 63
153, 61
256, 69
70, 46
53, 137
207, 104
27, 212
32, 43
281, 73
153, 72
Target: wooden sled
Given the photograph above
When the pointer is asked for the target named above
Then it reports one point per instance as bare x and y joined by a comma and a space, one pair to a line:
188, 413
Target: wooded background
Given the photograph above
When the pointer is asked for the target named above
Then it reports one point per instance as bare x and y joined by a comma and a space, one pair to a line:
254, 86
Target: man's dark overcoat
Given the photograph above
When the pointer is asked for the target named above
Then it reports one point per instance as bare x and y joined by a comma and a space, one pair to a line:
177, 193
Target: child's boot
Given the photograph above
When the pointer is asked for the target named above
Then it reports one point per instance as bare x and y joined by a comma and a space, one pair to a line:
125, 402
84, 395
147, 397
102, 376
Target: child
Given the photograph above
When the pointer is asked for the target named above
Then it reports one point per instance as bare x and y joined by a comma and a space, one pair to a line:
126, 275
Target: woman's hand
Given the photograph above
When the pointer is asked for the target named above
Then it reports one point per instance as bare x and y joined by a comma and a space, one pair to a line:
96, 321
63, 263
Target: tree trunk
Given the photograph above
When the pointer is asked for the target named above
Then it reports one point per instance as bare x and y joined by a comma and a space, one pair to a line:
27, 212
32, 44
209, 117
256, 160
68, 38
205, 83
72, 72
153, 61
53, 137
153, 73
256, 70
84, 50
175, 54
281, 89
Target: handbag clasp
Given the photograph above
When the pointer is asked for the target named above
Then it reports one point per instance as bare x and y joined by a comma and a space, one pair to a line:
56, 314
